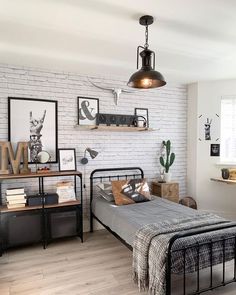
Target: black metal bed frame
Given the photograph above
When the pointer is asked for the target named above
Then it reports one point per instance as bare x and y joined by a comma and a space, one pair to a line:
176, 237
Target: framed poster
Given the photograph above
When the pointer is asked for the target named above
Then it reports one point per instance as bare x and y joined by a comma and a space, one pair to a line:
142, 112
209, 127
87, 110
67, 160
35, 121
215, 150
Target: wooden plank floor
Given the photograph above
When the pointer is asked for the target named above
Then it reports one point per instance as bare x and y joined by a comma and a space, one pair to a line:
99, 266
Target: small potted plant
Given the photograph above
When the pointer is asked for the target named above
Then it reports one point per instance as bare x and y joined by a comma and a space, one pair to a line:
167, 159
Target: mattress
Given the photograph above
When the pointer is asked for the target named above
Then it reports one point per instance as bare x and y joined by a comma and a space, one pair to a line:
126, 220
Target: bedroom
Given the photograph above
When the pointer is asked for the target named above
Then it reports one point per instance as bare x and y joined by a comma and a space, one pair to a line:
61, 64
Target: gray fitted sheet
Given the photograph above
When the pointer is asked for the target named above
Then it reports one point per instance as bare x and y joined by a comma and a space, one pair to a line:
126, 220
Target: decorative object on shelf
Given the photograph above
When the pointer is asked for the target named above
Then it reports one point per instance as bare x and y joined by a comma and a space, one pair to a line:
167, 159
65, 191
140, 122
146, 77
188, 202
15, 159
36, 200
93, 154
87, 110
209, 126
114, 119
232, 173
43, 157
67, 159
225, 173
142, 112
215, 150
35, 121
115, 90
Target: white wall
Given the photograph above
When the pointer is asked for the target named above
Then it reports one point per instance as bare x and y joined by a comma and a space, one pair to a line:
204, 98
167, 112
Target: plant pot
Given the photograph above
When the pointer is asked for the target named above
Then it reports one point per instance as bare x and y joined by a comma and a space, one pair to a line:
167, 177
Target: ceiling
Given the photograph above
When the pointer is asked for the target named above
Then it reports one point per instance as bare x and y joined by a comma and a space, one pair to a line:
194, 40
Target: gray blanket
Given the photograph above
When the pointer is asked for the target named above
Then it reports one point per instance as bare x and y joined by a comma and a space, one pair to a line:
151, 245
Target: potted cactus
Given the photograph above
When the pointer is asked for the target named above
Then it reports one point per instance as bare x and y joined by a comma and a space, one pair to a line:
167, 159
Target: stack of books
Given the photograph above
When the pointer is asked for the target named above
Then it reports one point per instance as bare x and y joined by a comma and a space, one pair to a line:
15, 197
65, 191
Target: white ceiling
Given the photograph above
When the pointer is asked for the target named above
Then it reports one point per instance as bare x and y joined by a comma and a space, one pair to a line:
193, 39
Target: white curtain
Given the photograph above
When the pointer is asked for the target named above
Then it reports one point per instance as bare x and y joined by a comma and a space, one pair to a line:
228, 129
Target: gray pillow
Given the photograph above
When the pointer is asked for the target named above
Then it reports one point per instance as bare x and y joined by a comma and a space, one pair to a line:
105, 190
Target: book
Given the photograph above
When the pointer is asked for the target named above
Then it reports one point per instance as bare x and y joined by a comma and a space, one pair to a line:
12, 206
15, 191
16, 197
12, 202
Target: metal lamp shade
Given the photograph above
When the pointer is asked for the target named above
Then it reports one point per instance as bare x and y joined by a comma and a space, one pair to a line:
93, 154
146, 78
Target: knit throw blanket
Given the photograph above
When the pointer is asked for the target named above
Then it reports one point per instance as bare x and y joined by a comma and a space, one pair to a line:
151, 246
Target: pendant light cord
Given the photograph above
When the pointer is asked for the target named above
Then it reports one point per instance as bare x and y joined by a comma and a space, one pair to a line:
146, 38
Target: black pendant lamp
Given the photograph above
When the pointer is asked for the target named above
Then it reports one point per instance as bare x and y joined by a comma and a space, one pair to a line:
146, 77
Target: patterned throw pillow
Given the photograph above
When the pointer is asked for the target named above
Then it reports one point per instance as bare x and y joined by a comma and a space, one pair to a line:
105, 190
130, 191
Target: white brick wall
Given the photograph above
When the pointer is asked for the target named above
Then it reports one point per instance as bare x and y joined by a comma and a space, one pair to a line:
167, 113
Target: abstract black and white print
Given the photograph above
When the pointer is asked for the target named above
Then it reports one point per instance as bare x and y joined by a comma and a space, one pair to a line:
87, 110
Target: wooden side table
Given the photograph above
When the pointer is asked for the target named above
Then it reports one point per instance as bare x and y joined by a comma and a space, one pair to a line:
168, 190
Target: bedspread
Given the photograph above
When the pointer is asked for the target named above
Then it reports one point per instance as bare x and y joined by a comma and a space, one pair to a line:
151, 246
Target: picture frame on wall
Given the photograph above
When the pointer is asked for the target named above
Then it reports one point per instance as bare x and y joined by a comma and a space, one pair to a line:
88, 108
143, 112
67, 159
35, 121
215, 150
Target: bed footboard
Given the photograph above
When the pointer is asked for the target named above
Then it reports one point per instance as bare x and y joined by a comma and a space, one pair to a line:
212, 285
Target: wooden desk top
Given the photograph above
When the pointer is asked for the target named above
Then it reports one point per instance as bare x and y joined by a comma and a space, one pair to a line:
35, 175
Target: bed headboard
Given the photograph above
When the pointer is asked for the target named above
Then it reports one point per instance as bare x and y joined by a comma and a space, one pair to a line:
113, 174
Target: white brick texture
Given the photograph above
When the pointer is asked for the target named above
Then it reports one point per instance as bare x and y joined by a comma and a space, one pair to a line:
167, 115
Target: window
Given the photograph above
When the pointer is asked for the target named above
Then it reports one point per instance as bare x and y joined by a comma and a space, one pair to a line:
228, 129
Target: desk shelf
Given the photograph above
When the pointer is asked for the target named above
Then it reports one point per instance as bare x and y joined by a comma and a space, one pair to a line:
40, 218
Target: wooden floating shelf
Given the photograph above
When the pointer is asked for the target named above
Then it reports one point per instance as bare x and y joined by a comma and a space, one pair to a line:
112, 128
227, 181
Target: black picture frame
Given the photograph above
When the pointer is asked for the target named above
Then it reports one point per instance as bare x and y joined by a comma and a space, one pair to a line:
62, 166
21, 112
143, 112
215, 150
85, 113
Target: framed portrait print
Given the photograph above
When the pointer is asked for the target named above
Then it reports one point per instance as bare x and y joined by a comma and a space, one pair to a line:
35, 121
87, 110
67, 160
142, 112
215, 150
